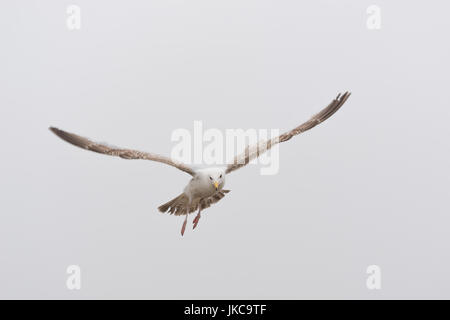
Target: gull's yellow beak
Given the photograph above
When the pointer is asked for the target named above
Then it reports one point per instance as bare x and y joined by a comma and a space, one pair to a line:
216, 185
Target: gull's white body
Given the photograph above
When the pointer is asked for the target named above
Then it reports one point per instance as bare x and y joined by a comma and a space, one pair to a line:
202, 184
204, 189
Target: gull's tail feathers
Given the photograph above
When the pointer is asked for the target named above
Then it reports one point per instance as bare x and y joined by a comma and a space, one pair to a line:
181, 206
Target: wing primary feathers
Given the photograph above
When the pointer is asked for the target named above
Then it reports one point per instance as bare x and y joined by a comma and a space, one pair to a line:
81, 142
253, 152
103, 148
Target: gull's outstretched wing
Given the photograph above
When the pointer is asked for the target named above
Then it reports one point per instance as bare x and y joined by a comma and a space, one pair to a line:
252, 152
119, 152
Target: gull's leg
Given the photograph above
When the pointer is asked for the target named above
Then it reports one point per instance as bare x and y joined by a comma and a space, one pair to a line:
197, 218
184, 224
187, 213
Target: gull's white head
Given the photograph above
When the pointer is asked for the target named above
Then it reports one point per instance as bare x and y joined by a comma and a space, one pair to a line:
214, 176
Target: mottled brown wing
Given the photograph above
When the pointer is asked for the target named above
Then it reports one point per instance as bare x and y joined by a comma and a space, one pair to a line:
119, 152
252, 152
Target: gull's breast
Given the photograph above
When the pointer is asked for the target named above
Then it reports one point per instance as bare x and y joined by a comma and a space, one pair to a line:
199, 188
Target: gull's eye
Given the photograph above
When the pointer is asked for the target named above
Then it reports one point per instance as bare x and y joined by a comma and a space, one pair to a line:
210, 178
220, 176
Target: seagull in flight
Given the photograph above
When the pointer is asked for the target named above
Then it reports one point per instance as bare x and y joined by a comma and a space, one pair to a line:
206, 186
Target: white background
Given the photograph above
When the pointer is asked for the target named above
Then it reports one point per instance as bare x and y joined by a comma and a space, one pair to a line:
369, 186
